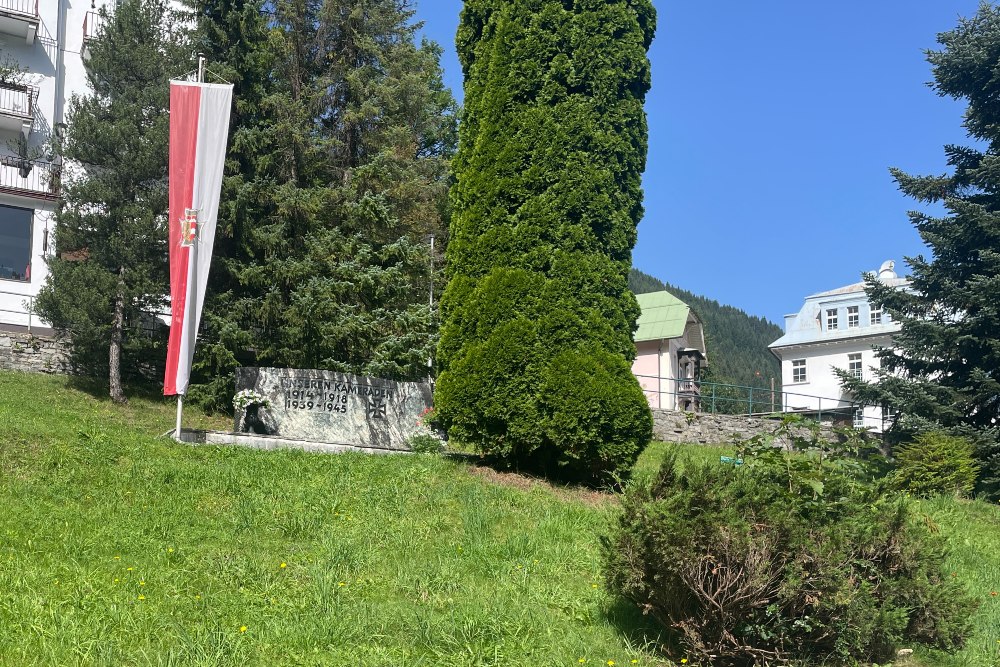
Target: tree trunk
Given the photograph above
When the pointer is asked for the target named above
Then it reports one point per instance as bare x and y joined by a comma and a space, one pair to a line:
115, 352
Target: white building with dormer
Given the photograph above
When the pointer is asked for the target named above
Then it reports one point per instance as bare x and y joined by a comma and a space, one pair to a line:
837, 329
47, 39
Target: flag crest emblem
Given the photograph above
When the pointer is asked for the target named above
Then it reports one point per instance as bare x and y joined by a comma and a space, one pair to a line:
189, 227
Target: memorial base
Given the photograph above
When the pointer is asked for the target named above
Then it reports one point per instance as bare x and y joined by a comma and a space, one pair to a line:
269, 442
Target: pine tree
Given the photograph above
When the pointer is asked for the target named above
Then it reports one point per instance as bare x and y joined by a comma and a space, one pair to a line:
108, 276
338, 173
538, 318
942, 371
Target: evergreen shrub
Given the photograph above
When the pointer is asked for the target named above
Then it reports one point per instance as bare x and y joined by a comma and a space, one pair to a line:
936, 463
536, 336
792, 557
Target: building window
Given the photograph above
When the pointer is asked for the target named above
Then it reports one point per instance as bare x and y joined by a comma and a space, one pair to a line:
854, 365
853, 317
859, 418
799, 370
15, 243
831, 319
876, 314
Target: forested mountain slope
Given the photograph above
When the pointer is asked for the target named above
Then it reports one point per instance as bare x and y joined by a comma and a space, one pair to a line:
737, 342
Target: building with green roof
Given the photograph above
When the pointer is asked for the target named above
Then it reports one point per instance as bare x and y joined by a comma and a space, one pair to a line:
670, 351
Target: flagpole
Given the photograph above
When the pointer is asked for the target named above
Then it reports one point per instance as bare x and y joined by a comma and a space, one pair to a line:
193, 258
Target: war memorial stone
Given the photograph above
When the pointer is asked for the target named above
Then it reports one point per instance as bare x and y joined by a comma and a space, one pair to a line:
333, 407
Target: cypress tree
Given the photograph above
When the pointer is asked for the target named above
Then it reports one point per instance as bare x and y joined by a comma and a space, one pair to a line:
942, 370
538, 318
108, 276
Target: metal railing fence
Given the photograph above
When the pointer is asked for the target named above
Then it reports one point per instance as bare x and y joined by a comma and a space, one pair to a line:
31, 178
27, 309
92, 25
18, 99
734, 399
26, 7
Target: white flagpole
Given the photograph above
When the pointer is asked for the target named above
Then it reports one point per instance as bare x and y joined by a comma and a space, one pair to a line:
193, 258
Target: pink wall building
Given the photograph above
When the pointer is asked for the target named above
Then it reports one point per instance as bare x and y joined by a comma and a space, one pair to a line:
670, 350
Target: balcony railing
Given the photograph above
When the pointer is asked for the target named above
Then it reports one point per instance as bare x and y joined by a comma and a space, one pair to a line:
17, 99
28, 8
93, 23
29, 178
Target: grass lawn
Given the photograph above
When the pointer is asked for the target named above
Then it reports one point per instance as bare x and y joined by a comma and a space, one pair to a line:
119, 547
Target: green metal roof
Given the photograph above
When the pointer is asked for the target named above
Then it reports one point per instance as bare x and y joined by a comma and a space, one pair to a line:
663, 316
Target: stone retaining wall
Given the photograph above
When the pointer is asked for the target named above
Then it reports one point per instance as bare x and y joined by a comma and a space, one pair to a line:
715, 429
33, 354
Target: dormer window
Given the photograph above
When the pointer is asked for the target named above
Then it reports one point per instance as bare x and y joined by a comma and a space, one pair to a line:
831, 319
876, 314
853, 317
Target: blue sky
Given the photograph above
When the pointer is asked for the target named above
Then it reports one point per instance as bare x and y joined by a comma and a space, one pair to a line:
772, 126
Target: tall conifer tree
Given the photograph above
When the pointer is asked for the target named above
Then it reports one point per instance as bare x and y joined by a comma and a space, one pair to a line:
944, 368
108, 275
338, 175
538, 318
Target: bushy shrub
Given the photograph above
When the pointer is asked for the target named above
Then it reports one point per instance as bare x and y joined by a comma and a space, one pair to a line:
936, 463
792, 556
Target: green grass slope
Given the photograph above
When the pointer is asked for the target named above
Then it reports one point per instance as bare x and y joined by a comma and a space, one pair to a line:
121, 548
117, 547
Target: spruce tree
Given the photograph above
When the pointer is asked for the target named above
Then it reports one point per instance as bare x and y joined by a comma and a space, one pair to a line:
108, 276
942, 371
538, 318
338, 174
235, 38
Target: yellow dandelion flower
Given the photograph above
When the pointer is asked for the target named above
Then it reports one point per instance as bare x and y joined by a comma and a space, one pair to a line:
582, 660
142, 583
243, 628
129, 569
118, 557
340, 583
170, 550
593, 585
197, 597
117, 580
142, 597
611, 663
283, 565
684, 661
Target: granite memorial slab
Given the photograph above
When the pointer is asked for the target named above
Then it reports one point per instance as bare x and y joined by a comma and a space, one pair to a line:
325, 406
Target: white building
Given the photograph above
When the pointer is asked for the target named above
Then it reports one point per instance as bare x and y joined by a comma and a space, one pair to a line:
46, 38
835, 329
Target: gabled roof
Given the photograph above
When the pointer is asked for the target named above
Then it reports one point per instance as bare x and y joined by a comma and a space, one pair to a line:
663, 316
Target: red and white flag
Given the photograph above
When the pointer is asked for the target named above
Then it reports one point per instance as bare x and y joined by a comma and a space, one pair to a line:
199, 125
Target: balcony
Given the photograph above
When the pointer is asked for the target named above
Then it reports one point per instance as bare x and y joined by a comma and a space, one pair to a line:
29, 178
17, 107
93, 24
19, 18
